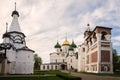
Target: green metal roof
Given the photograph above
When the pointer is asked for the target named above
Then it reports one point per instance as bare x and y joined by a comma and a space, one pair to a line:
57, 45
73, 44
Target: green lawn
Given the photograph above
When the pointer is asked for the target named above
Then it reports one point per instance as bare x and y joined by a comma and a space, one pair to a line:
32, 78
116, 74
35, 76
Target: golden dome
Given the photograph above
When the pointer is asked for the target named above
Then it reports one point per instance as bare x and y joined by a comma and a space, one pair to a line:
66, 42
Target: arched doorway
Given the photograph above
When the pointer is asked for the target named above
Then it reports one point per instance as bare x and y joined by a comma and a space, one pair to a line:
63, 67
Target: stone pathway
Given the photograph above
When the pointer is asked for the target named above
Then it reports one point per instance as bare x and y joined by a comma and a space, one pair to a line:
92, 77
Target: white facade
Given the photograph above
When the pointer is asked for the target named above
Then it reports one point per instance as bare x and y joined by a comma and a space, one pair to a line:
65, 57
19, 55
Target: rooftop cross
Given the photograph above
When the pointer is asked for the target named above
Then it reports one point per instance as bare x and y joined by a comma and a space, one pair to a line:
15, 6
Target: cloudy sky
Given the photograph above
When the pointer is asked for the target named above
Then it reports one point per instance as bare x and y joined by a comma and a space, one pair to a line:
45, 21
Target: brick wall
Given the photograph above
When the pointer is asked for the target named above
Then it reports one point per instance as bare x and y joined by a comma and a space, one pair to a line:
94, 57
105, 56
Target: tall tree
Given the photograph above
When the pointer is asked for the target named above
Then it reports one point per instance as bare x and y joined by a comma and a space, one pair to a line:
37, 62
116, 60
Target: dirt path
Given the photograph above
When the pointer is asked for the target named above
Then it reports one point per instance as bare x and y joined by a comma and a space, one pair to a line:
92, 77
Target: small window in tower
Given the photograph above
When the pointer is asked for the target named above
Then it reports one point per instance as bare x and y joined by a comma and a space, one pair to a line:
83, 49
90, 41
103, 34
94, 37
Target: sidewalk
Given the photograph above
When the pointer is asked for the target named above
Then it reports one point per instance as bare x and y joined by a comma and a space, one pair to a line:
92, 77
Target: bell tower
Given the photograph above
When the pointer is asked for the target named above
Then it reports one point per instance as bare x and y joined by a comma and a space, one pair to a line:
14, 34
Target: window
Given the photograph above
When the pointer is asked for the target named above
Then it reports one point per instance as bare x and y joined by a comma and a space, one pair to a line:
44, 67
103, 34
90, 41
94, 37
48, 67
83, 49
56, 67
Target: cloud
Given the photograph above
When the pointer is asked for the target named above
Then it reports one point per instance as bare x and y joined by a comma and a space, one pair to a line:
45, 21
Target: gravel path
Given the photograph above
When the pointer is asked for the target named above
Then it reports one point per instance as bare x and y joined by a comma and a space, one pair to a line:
92, 77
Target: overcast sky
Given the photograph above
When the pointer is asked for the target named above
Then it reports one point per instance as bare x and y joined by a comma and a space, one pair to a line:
45, 21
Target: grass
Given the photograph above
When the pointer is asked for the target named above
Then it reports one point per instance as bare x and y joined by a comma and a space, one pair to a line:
32, 78
59, 76
65, 76
115, 74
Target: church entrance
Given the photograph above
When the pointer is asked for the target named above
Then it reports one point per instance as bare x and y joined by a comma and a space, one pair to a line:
63, 67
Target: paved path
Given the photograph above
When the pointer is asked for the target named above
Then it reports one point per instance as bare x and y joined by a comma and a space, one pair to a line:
92, 77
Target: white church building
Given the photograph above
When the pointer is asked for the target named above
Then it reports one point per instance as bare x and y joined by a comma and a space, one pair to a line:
93, 55
15, 56
65, 57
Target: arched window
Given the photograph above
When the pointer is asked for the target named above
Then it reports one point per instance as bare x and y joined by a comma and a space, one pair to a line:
43, 66
56, 67
94, 37
90, 41
103, 34
47, 66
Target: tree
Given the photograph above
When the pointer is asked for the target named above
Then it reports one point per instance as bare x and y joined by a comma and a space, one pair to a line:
116, 61
38, 62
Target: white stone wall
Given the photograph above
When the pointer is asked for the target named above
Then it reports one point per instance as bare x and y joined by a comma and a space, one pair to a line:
81, 58
65, 49
24, 62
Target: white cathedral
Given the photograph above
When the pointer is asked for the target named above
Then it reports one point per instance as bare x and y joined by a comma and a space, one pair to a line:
15, 56
93, 55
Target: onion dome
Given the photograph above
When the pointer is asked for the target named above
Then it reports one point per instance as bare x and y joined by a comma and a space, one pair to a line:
71, 48
57, 45
15, 13
66, 42
73, 44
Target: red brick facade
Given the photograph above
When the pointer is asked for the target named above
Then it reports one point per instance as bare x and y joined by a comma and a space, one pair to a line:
105, 56
87, 59
94, 57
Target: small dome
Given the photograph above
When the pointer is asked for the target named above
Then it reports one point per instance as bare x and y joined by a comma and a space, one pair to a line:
71, 48
15, 12
66, 42
57, 45
73, 44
